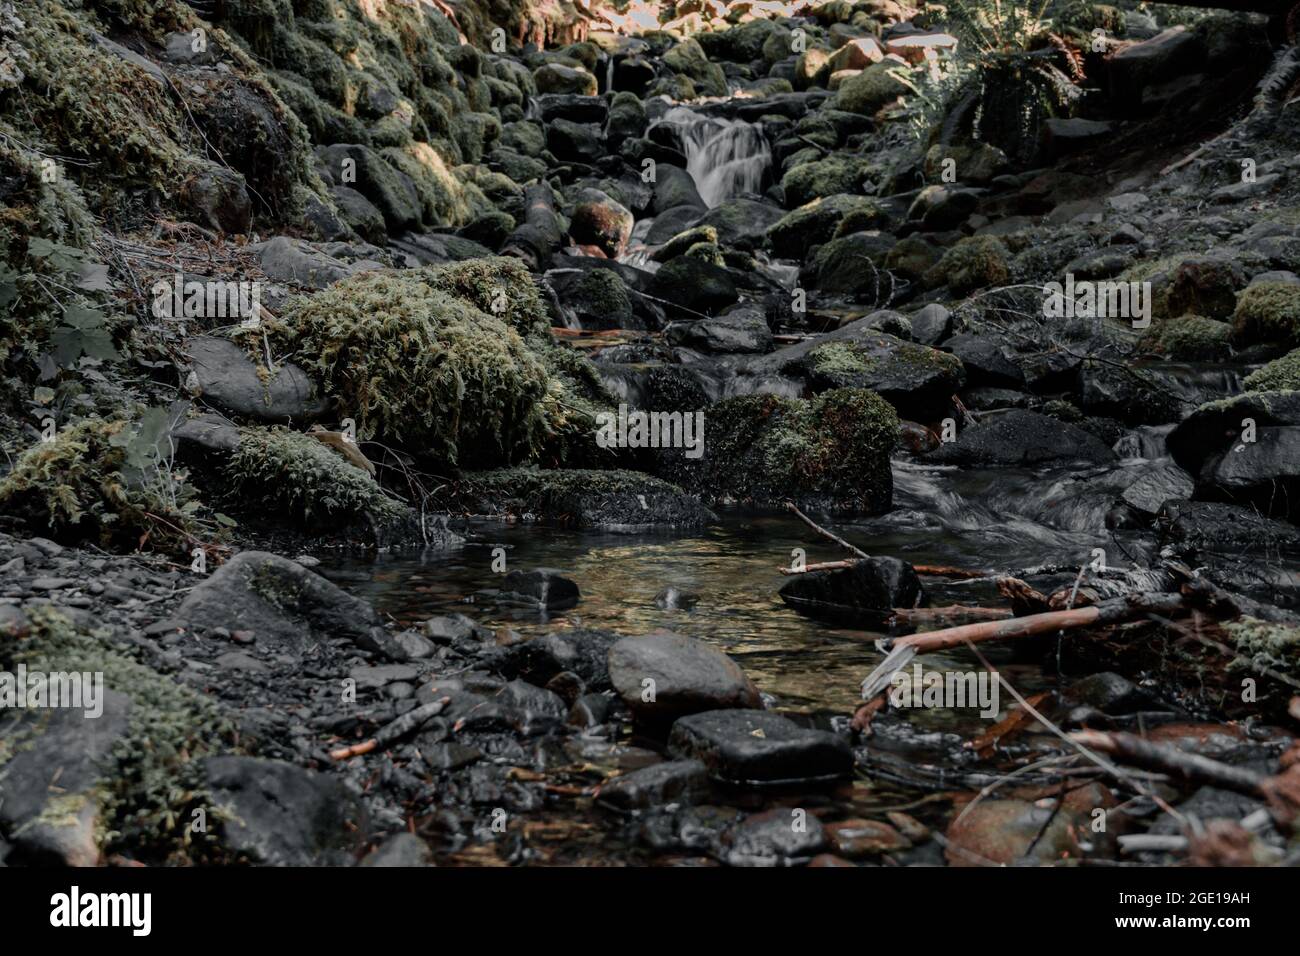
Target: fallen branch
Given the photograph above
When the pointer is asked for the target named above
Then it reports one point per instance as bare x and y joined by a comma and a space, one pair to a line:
390, 733
918, 617
1192, 768
829, 535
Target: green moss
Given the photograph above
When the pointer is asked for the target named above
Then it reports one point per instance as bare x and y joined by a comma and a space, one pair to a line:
153, 779
837, 173
290, 474
1268, 312
1278, 375
500, 285
817, 221
875, 87
413, 364
975, 262
843, 362
681, 242
1190, 338
444, 199
1261, 645
830, 452
88, 482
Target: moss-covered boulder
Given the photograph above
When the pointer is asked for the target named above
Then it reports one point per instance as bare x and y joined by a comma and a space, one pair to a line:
297, 477
975, 262
835, 174
828, 453
815, 222
1268, 312
688, 59
853, 264
917, 380
610, 500
415, 365
1190, 338
874, 88
1281, 374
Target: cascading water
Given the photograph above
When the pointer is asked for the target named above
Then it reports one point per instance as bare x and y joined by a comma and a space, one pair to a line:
725, 157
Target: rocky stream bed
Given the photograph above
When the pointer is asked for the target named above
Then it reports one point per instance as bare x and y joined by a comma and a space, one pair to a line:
310, 312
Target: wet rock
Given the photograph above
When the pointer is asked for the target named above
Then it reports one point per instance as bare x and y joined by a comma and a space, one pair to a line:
757, 747
860, 839
781, 837
1264, 473
558, 78
917, 380
1002, 831
545, 587
852, 265
400, 849
696, 285
686, 676
1215, 526
49, 804
1109, 693
673, 781
278, 814
229, 379
283, 604
816, 222
454, 629
360, 214
1161, 482
1024, 439
985, 361
866, 589
742, 329
578, 650
568, 140
742, 223
674, 188
601, 222
391, 191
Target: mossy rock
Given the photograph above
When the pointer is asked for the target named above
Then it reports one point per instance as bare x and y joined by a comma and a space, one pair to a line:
829, 453
415, 365
975, 262
1281, 374
610, 500
688, 59
295, 476
1190, 338
871, 90
815, 222
85, 484
1268, 312
917, 380
684, 240
830, 176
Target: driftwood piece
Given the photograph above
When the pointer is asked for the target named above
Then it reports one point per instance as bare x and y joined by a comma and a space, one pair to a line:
390, 733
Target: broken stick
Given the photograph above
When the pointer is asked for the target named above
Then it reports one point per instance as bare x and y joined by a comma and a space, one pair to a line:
390, 733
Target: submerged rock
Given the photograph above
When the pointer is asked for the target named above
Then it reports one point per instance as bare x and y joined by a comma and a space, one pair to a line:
1025, 439
673, 781
867, 589
544, 586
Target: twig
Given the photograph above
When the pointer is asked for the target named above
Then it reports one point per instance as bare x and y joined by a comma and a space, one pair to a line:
390, 733
791, 507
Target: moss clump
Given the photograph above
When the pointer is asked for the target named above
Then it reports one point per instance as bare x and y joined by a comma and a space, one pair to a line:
1268, 312
1281, 374
815, 222
500, 286
830, 452
101, 480
875, 87
288, 473
825, 177
444, 199
1190, 338
683, 241
975, 262
413, 364
1261, 645
153, 779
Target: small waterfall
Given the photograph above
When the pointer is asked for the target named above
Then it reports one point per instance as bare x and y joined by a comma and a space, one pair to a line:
725, 157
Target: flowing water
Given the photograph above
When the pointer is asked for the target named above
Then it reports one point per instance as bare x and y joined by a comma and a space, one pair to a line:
725, 157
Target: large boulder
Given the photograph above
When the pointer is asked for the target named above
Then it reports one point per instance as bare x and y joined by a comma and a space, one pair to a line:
817, 221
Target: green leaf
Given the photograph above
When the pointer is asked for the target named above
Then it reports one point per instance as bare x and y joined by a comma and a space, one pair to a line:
225, 520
